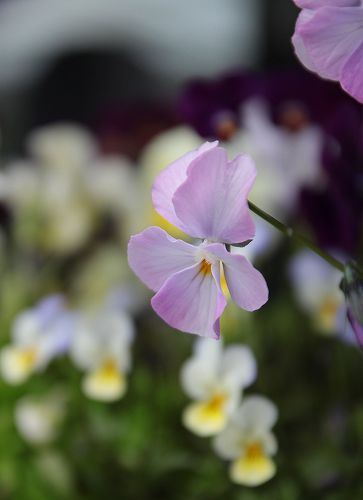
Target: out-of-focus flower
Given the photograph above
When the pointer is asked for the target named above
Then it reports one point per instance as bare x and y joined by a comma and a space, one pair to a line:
206, 196
62, 146
38, 335
214, 377
283, 159
101, 347
352, 286
249, 442
316, 286
328, 40
38, 418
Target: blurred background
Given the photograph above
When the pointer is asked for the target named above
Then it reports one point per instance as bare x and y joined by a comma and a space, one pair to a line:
95, 99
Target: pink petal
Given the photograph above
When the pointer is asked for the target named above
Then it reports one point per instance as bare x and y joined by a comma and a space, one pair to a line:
352, 75
192, 301
169, 179
247, 286
329, 37
154, 256
212, 202
316, 4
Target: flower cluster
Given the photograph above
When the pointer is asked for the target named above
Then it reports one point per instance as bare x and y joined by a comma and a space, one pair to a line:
98, 342
214, 378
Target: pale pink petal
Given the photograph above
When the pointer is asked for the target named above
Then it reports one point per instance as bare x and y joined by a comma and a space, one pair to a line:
247, 286
192, 302
154, 256
298, 41
329, 38
352, 75
316, 4
212, 202
169, 179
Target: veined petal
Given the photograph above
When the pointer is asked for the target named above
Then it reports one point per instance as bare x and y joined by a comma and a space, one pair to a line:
168, 181
247, 286
154, 256
192, 301
330, 37
352, 74
212, 202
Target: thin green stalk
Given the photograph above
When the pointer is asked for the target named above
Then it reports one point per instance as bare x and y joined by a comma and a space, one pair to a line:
300, 238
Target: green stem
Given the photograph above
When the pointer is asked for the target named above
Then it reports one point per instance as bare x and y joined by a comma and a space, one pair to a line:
300, 238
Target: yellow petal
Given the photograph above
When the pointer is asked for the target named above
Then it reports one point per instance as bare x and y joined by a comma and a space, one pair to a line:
17, 364
106, 383
206, 418
254, 468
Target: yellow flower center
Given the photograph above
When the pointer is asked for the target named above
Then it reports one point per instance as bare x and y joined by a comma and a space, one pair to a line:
326, 314
254, 467
206, 418
26, 358
106, 383
205, 267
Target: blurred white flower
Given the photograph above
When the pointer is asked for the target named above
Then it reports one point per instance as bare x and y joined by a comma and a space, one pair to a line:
101, 347
37, 419
38, 335
62, 146
316, 286
214, 377
249, 442
285, 160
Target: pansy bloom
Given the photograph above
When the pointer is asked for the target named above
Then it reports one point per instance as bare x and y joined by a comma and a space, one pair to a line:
101, 346
38, 335
249, 442
328, 40
214, 378
204, 195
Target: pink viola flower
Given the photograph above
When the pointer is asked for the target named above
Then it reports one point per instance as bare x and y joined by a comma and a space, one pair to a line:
328, 40
204, 195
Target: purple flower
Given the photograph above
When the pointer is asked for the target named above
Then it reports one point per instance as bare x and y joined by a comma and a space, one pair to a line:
204, 195
328, 40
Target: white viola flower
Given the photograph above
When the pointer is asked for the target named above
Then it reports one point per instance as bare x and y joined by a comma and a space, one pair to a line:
38, 335
214, 378
101, 348
38, 419
63, 146
316, 286
249, 443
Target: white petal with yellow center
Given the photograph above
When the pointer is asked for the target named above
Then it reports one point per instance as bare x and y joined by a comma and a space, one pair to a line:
106, 383
17, 364
208, 417
253, 468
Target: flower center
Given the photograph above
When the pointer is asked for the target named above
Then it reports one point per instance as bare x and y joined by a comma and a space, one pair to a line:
254, 451
205, 267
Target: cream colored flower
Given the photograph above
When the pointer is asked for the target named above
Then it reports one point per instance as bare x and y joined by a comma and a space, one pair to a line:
249, 443
101, 347
62, 146
214, 378
37, 419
